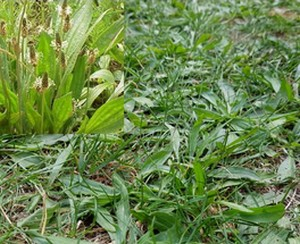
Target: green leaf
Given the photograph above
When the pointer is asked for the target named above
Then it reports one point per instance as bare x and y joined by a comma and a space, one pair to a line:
78, 80
204, 37
34, 118
76, 38
236, 206
287, 169
272, 235
59, 163
286, 91
266, 214
58, 239
275, 83
47, 59
112, 35
103, 74
77, 35
294, 240
26, 159
85, 187
259, 200
94, 92
206, 114
34, 220
62, 110
136, 120
155, 162
144, 101
228, 92
109, 118
194, 137
123, 210
105, 220
4, 62
297, 73
163, 219
174, 139
235, 173
200, 177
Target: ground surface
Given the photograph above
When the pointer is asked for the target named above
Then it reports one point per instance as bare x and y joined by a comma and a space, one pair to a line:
211, 150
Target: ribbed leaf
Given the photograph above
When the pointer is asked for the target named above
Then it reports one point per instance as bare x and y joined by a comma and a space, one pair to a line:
109, 118
110, 36
103, 74
78, 77
59, 163
58, 239
266, 214
80, 25
47, 57
75, 39
62, 111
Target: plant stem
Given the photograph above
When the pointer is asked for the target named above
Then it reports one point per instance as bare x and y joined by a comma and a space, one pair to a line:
19, 71
6, 95
43, 111
88, 89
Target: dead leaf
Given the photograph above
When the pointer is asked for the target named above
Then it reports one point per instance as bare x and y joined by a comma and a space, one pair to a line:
284, 13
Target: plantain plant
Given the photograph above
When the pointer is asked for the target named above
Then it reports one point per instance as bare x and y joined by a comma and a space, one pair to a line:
61, 66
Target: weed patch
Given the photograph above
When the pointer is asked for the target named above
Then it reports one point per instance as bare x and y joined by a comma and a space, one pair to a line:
61, 67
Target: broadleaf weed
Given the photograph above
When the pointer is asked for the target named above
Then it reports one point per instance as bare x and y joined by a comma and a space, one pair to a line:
49, 57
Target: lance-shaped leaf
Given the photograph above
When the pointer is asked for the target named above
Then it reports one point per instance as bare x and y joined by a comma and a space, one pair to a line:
62, 111
109, 118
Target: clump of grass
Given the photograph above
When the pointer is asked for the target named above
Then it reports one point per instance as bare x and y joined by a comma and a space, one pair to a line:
52, 74
66, 188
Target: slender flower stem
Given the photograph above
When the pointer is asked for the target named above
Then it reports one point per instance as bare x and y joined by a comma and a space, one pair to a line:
19, 71
5, 91
88, 89
43, 112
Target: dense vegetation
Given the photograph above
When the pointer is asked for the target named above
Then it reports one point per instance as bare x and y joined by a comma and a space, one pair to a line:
211, 147
215, 87
61, 66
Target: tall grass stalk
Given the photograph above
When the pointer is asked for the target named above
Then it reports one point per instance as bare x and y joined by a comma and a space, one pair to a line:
19, 48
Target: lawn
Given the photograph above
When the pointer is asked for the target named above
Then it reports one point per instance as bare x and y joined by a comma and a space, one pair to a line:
210, 151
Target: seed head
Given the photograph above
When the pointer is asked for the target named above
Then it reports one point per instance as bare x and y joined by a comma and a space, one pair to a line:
43, 83
15, 45
3, 28
67, 24
58, 40
32, 54
63, 60
64, 9
92, 56
24, 27
65, 4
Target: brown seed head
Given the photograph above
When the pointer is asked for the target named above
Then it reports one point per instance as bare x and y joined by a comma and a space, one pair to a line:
24, 27
67, 24
3, 28
65, 5
45, 82
58, 41
32, 54
92, 56
64, 10
15, 45
63, 60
